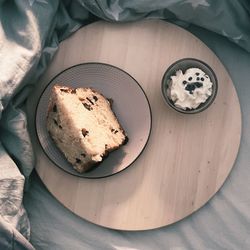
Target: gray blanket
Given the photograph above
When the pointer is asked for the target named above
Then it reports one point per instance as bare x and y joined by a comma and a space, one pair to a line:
29, 35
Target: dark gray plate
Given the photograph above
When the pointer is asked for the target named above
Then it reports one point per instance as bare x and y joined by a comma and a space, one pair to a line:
130, 105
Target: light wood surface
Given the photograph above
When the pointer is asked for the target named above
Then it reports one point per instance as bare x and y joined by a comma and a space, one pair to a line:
187, 158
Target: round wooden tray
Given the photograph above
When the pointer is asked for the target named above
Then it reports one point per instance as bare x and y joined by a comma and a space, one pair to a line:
187, 158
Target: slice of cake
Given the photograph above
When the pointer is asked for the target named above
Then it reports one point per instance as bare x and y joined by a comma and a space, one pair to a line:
83, 126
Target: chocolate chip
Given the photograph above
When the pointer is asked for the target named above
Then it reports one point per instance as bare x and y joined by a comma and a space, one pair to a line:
83, 155
202, 79
197, 73
198, 79
95, 98
87, 106
65, 90
114, 131
190, 78
190, 88
55, 108
198, 84
106, 146
90, 101
126, 140
55, 121
73, 91
78, 160
81, 99
85, 132
184, 82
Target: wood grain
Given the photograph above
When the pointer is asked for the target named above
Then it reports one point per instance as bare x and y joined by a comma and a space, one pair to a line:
188, 157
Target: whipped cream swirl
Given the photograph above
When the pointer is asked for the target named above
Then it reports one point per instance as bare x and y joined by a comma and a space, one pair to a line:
191, 88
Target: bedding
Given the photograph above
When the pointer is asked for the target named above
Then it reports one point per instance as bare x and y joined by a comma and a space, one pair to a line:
30, 32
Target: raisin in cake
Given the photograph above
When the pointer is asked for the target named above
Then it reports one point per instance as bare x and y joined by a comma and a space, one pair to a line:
83, 126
